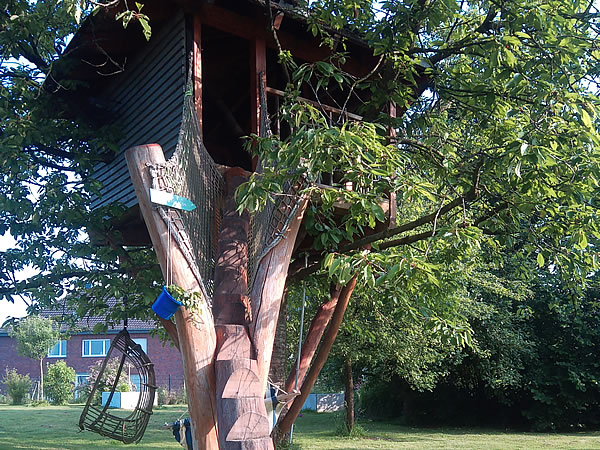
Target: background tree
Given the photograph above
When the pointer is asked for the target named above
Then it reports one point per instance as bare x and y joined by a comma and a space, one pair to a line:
35, 335
60, 382
17, 386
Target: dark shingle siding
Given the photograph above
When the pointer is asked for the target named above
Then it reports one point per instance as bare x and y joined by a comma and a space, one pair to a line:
148, 99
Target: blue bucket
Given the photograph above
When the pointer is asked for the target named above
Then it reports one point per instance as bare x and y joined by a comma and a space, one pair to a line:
165, 305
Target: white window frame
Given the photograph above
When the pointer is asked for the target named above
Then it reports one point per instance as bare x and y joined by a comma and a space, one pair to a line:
105, 347
78, 376
62, 349
143, 342
77, 393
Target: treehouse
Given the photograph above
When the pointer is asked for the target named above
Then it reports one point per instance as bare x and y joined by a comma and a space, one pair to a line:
208, 77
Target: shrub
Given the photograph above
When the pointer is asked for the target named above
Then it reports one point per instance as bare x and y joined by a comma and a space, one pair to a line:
175, 397
60, 382
40, 403
17, 386
106, 381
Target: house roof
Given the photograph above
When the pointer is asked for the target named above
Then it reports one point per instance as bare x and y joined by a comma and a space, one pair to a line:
70, 321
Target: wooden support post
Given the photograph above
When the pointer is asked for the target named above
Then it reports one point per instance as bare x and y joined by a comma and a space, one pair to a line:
197, 69
197, 345
258, 69
258, 66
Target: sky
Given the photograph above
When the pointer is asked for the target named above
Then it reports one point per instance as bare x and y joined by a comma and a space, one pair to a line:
18, 308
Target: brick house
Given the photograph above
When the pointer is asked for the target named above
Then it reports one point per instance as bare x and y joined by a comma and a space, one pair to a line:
85, 348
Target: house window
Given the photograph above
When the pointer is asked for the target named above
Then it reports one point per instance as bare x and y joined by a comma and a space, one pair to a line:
143, 343
95, 347
81, 379
80, 382
59, 350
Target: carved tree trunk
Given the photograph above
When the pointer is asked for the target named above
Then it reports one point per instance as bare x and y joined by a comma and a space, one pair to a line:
243, 337
197, 344
241, 412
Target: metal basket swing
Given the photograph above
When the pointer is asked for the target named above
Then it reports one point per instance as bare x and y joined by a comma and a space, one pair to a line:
97, 418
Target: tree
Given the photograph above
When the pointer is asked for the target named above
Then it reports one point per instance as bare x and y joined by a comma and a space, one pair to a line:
60, 382
494, 138
35, 335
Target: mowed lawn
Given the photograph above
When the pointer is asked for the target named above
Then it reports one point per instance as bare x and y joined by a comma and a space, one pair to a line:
23, 427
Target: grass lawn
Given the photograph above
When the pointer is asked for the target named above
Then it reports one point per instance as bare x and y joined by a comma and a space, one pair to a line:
56, 427
52, 427
317, 431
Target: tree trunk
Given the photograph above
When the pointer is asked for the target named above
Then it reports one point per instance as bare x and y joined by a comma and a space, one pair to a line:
241, 413
41, 388
246, 335
197, 344
349, 394
321, 358
313, 337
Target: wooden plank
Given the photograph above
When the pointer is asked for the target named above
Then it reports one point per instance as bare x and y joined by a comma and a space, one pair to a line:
197, 70
243, 423
242, 383
249, 426
197, 346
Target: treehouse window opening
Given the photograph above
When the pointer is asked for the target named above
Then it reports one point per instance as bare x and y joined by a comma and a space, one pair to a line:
226, 97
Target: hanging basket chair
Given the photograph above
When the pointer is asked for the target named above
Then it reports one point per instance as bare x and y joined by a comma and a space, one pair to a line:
97, 418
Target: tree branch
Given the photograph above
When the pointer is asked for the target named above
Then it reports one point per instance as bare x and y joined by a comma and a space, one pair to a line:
41, 280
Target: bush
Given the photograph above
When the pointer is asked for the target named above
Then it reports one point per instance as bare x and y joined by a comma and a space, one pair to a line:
40, 403
60, 382
106, 380
175, 397
17, 386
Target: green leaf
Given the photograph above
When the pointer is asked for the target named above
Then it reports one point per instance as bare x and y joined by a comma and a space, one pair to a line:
540, 259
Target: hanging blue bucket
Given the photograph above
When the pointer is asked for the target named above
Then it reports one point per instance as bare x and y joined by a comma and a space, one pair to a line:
165, 305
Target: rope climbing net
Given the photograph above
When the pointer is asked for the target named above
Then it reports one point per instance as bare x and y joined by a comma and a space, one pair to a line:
192, 173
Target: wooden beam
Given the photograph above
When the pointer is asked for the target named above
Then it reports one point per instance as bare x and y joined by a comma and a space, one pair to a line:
313, 338
305, 47
197, 69
197, 345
